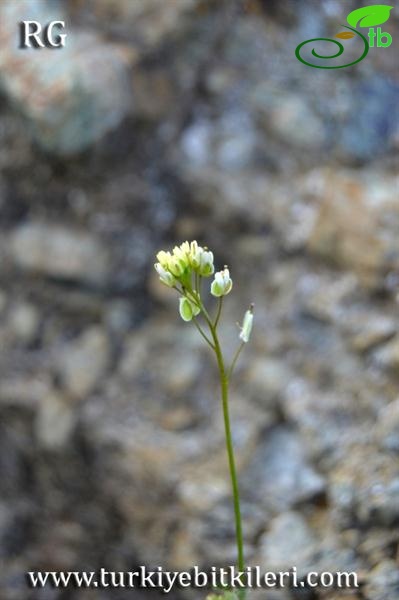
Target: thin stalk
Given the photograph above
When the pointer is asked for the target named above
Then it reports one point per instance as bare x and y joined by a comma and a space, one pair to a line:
218, 312
201, 331
224, 386
234, 361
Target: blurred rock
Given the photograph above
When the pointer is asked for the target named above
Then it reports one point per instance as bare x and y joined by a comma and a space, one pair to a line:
353, 229
369, 130
82, 362
59, 252
54, 421
110, 417
367, 330
383, 582
150, 21
289, 542
365, 487
284, 477
388, 427
388, 355
24, 321
293, 120
70, 97
268, 378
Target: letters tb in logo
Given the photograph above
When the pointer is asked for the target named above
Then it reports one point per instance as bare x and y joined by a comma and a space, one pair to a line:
33, 35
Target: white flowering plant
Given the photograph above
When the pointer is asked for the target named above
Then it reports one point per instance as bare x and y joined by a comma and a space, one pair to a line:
184, 270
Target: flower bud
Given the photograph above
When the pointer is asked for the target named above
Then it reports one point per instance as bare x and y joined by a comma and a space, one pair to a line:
164, 275
181, 253
247, 325
222, 283
185, 249
195, 254
163, 258
206, 267
188, 309
176, 266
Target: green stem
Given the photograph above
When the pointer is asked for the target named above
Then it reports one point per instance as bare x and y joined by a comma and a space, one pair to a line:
234, 361
219, 311
208, 341
224, 385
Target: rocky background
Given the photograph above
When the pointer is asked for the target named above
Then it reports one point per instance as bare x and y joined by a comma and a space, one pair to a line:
165, 120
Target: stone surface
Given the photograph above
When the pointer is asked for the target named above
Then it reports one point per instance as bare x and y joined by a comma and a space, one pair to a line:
284, 477
24, 321
54, 421
352, 230
70, 98
384, 582
59, 252
288, 542
82, 362
388, 355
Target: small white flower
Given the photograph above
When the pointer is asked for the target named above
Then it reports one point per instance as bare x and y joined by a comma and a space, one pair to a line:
188, 309
195, 254
247, 325
206, 267
164, 275
164, 258
176, 266
182, 253
222, 283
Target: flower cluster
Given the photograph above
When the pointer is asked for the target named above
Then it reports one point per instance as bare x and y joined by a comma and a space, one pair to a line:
183, 268
178, 266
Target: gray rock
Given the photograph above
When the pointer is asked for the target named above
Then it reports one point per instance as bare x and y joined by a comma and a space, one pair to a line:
388, 427
283, 477
388, 355
149, 22
295, 123
365, 487
59, 252
82, 362
367, 330
54, 421
268, 378
288, 542
370, 127
70, 97
383, 582
24, 321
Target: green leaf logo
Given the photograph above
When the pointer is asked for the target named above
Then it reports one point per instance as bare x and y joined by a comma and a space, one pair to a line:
369, 16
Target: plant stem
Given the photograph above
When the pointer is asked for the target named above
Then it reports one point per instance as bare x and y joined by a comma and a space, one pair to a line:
224, 386
234, 361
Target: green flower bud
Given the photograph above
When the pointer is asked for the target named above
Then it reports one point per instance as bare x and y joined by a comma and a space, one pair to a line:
164, 275
247, 325
206, 267
222, 283
176, 266
188, 309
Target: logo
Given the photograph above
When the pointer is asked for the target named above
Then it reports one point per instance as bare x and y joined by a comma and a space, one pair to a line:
367, 17
33, 35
